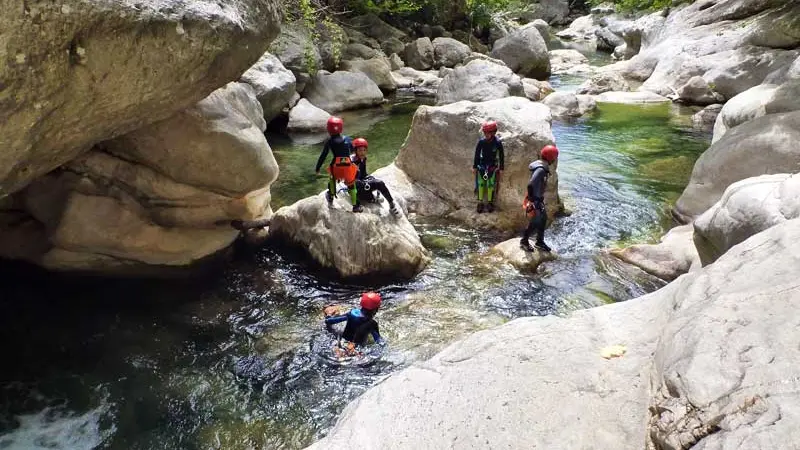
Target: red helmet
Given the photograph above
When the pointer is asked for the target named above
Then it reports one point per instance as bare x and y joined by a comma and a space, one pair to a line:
335, 125
371, 300
360, 142
549, 153
490, 126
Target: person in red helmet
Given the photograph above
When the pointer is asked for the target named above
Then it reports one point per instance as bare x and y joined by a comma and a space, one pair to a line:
487, 164
360, 321
340, 168
534, 201
367, 184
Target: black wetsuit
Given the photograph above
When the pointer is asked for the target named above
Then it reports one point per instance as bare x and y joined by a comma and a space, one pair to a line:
536, 188
339, 145
489, 155
358, 328
367, 184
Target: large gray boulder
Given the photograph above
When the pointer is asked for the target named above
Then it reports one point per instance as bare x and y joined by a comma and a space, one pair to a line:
524, 52
549, 11
393, 45
712, 351
162, 196
424, 84
355, 51
305, 117
581, 29
766, 145
453, 131
295, 49
479, 81
419, 54
697, 91
78, 73
377, 69
756, 102
604, 82
341, 91
607, 40
387, 244
374, 27
448, 52
672, 257
274, 85
567, 104
565, 61
746, 208
705, 118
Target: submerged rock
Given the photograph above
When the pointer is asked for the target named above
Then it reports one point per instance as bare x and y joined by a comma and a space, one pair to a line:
523, 260
374, 242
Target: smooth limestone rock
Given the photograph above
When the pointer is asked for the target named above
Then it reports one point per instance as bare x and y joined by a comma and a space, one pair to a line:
78, 73
674, 256
525, 52
274, 85
715, 350
307, 117
479, 81
385, 244
340, 91
523, 260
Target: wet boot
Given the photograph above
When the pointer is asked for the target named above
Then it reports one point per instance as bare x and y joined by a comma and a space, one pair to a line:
480, 207
358, 208
542, 246
525, 245
490, 207
393, 209
329, 198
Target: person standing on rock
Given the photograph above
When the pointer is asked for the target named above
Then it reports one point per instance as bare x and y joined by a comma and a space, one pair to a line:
534, 201
366, 184
487, 165
341, 167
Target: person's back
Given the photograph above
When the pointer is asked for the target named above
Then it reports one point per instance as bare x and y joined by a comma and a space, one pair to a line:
360, 322
341, 168
534, 200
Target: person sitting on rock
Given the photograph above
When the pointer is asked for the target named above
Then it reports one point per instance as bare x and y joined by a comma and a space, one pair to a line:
534, 201
340, 168
360, 321
487, 165
367, 184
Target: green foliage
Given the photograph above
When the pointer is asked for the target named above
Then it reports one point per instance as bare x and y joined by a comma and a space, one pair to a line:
641, 5
399, 7
480, 11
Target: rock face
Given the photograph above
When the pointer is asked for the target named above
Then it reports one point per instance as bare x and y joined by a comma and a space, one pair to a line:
448, 52
524, 52
536, 90
747, 207
84, 72
479, 81
766, 145
273, 84
674, 256
390, 245
582, 28
550, 11
565, 104
421, 83
341, 91
733, 45
377, 69
453, 130
307, 117
419, 54
604, 82
680, 373
756, 102
525, 261
163, 195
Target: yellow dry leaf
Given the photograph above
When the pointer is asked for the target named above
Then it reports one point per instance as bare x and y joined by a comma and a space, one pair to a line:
613, 351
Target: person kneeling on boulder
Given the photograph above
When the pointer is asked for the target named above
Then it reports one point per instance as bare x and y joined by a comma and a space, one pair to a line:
487, 165
534, 201
367, 184
340, 168
360, 321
